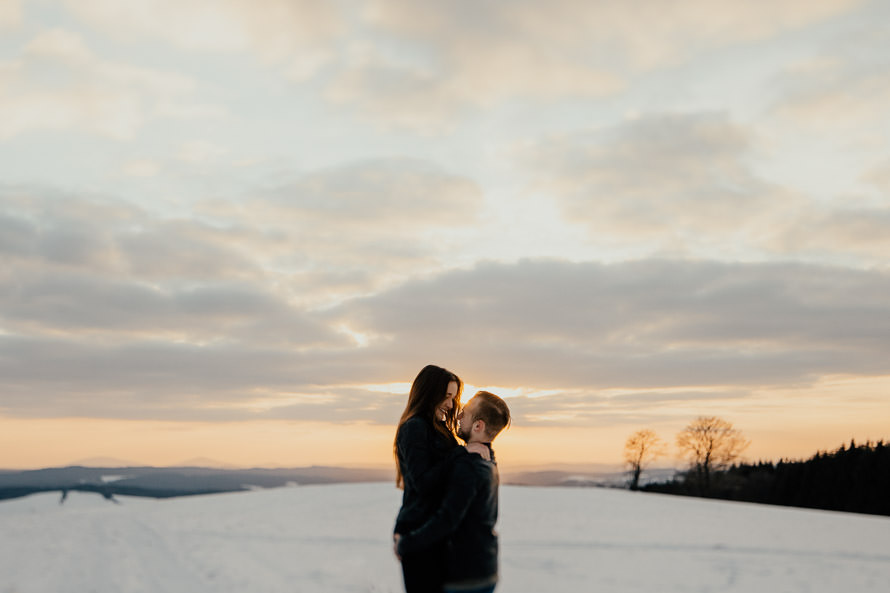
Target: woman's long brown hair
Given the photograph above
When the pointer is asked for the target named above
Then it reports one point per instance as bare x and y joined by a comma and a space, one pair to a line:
427, 392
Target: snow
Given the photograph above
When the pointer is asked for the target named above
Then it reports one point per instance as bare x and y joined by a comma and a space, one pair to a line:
336, 538
109, 479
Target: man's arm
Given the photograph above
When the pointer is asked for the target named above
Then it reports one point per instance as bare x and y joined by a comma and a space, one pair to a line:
463, 484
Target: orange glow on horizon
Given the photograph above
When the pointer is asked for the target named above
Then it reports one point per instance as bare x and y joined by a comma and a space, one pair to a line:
789, 423
32, 443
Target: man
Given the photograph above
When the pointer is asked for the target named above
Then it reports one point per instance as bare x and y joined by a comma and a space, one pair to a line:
469, 508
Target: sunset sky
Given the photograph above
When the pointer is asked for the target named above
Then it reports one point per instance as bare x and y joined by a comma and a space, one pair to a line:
237, 229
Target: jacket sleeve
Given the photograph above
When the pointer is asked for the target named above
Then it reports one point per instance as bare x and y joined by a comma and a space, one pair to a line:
422, 469
463, 484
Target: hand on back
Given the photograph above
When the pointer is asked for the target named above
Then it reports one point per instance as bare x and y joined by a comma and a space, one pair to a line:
479, 449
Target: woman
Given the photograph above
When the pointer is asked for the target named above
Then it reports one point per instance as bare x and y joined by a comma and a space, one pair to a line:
424, 445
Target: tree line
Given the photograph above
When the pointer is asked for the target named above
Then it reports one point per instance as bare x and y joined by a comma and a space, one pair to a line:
854, 478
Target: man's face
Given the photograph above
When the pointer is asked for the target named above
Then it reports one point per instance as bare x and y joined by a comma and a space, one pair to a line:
465, 420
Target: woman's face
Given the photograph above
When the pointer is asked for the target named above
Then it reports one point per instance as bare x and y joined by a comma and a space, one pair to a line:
448, 402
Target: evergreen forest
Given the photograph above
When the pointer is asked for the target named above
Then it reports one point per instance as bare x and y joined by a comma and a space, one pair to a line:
854, 478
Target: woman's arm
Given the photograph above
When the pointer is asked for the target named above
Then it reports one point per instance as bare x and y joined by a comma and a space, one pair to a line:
423, 469
463, 484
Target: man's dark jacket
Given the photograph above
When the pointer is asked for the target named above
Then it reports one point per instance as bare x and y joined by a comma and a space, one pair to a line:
467, 515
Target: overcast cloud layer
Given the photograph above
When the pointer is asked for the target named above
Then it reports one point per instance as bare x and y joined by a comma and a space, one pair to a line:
217, 211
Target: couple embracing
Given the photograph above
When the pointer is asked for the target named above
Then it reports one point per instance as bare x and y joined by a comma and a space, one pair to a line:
444, 534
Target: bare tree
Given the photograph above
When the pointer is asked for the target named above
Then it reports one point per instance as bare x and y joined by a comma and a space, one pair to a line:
641, 448
710, 443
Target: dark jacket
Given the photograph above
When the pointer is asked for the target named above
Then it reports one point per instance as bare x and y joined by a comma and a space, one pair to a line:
425, 457
467, 515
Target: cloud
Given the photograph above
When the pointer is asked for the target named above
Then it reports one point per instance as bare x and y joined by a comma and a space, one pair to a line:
676, 180
289, 32
582, 339
424, 93
104, 268
425, 64
57, 82
200, 151
10, 14
420, 65
71, 304
102, 235
112, 306
828, 110
111, 311
403, 191
145, 378
647, 324
605, 408
857, 235
356, 227
140, 168
843, 87
651, 34
323, 235
59, 229
834, 94
879, 177
685, 184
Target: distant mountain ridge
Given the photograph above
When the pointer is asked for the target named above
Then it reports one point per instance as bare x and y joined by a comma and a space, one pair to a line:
166, 482
187, 480
610, 477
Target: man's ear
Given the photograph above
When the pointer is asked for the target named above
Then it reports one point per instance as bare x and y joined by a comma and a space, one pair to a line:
479, 425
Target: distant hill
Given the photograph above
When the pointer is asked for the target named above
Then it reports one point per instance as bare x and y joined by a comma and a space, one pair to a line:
166, 482
567, 477
191, 478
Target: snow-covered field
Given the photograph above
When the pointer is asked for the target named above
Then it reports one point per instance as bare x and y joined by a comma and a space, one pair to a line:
336, 538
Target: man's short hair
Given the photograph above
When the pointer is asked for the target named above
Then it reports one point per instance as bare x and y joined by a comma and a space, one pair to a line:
493, 411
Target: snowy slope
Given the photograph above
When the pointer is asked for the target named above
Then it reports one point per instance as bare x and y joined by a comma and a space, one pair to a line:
336, 538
